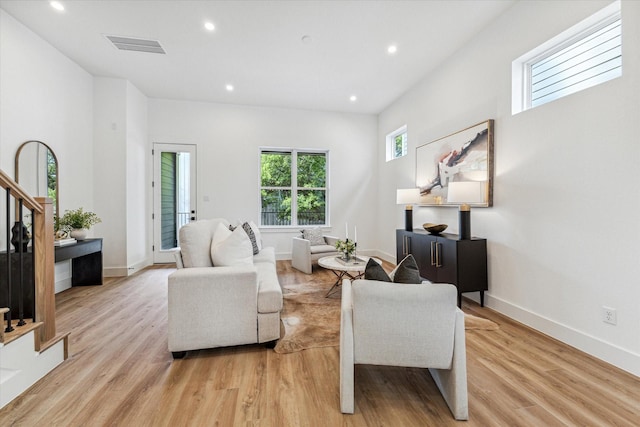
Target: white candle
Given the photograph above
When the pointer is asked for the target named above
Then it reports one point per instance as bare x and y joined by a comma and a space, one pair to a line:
355, 234
346, 231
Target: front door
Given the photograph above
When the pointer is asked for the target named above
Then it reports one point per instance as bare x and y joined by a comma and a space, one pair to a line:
174, 196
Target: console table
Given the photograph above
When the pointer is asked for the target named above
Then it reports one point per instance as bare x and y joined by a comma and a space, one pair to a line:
445, 258
86, 261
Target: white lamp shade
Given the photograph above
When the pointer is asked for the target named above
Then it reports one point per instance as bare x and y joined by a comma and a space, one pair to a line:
407, 196
466, 192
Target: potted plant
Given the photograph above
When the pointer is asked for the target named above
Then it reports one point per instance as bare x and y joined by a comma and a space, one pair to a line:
77, 222
347, 247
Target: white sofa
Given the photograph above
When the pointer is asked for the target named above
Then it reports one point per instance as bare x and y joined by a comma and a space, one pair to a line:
218, 306
399, 324
303, 253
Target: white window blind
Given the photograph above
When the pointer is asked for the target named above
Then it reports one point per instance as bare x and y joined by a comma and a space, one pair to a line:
591, 60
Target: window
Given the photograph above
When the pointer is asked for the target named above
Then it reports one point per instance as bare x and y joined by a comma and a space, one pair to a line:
586, 55
397, 143
293, 196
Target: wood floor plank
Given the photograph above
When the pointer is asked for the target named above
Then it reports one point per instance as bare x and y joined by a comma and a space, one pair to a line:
120, 373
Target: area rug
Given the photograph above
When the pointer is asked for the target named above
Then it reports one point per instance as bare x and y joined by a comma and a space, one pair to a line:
309, 320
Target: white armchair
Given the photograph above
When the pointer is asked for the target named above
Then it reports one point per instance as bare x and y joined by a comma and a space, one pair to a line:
407, 325
303, 253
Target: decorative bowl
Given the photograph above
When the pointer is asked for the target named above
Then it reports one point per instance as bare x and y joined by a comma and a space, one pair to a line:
434, 228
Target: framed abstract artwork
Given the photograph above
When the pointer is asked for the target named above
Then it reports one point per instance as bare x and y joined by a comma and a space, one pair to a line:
464, 156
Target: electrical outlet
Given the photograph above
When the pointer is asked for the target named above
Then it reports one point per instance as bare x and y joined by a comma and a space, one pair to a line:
609, 315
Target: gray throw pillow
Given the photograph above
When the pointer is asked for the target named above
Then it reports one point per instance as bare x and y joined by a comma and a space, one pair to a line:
407, 271
314, 236
374, 271
252, 236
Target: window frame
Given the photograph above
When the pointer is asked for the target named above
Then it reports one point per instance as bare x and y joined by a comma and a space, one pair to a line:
521, 68
294, 185
390, 143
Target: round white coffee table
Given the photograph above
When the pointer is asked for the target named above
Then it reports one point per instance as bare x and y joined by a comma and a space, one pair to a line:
353, 269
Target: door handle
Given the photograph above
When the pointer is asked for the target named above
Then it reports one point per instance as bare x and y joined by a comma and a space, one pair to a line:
433, 252
438, 260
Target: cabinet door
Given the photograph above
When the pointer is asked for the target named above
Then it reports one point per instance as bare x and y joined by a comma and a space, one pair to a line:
421, 249
403, 244
447, 261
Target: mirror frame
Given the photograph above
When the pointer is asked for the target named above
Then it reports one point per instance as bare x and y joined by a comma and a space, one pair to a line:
17, 170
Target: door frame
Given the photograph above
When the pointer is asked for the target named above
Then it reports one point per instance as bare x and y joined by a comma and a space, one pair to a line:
164, 256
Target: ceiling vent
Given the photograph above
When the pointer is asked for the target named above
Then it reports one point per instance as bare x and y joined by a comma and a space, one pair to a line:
138, 45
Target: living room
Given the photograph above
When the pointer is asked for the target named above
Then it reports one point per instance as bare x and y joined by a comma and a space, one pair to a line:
558, 196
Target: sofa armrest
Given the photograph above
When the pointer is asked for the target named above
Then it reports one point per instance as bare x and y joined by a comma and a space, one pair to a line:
177, 255
347, 359
301, 254
202, 299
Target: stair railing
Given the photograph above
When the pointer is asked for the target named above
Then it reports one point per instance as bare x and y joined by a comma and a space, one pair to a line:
41, 252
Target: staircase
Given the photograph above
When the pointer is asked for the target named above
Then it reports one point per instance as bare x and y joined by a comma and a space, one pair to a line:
24, 359
29, 348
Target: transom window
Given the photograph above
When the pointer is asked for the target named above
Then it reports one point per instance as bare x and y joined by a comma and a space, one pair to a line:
586, 55
397, 143
293, 187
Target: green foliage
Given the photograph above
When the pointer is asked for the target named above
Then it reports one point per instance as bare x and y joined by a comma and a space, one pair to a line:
77, 219
346, 246
276, 202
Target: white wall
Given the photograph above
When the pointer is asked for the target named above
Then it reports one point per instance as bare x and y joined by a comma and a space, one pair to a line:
121, 175
563, 233
138, 208
228, 138
47, 97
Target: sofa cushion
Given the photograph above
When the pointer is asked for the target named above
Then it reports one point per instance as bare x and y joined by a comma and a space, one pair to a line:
319, 249
269, 291
195, 241
231, 247
266, 254
314, 236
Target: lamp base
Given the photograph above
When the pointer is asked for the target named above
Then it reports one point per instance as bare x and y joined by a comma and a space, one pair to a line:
464, 226
408, 219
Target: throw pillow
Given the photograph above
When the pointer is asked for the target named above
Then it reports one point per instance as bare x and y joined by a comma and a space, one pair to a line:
231, 247
374, 271
252, 237
314, 236
406, 271
256, 232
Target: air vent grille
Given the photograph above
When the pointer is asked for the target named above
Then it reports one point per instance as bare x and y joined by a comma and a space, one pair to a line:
138, 45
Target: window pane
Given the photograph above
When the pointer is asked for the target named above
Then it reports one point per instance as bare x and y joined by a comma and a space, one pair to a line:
312, 170
276, 207
311, 207
275, 169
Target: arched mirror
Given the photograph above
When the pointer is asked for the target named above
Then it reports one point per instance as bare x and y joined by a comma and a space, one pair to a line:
37, 171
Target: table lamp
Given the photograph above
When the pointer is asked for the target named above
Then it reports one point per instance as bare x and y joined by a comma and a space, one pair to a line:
408, 197
465, 193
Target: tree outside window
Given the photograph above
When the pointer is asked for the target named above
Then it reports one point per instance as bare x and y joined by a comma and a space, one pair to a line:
293, 195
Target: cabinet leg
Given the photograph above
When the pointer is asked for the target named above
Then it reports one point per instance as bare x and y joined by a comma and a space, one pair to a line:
481, 298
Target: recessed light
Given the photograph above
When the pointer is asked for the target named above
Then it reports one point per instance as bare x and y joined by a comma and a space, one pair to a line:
353, 98
392, 49
209, 26
57, 5
229, 88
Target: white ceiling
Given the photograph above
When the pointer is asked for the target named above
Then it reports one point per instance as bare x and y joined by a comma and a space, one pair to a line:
257, 46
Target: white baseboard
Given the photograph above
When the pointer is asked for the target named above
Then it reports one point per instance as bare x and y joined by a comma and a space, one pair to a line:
610, 353
125, 271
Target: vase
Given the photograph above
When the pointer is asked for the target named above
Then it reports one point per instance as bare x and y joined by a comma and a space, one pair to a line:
79, 233
18, 228
347, 256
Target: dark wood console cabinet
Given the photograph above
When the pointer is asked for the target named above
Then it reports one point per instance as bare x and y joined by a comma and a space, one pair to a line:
86, 261
445, 258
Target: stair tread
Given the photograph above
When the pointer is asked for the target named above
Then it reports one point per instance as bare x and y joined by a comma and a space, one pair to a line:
19, 331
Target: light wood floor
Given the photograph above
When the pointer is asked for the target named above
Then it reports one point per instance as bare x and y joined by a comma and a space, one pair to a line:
120, 373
